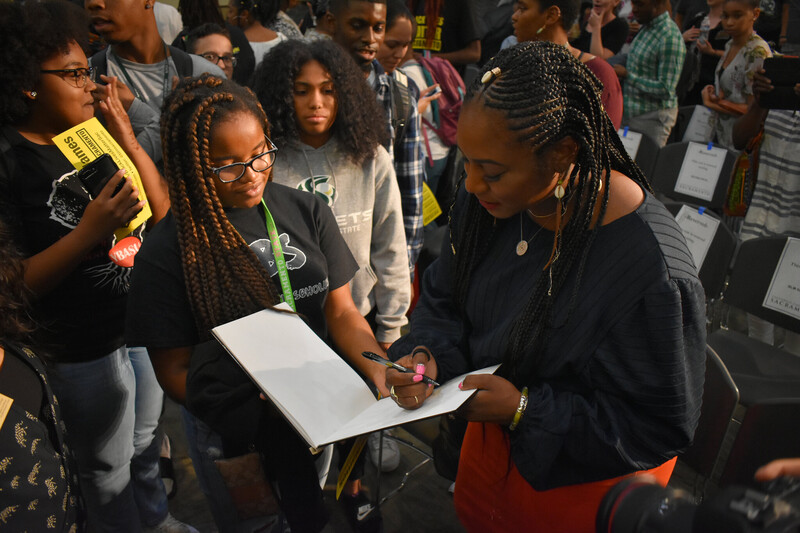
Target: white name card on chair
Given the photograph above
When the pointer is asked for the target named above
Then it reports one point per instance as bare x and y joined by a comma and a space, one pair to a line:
700, 171
783, 294
701, 125
630, 140
698, 230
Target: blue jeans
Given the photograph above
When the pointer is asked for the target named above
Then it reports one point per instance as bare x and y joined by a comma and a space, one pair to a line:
205, 446
111, 407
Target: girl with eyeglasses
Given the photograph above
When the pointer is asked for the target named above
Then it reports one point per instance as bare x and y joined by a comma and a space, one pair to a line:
79, 291
329, 126
212, 260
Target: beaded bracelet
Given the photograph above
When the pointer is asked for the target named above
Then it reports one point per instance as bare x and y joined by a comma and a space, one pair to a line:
523, 403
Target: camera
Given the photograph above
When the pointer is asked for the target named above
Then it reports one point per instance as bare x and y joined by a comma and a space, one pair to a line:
640, 505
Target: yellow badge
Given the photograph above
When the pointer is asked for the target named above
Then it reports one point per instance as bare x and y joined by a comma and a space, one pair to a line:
5, 407
349, 464
430, 207
86, 142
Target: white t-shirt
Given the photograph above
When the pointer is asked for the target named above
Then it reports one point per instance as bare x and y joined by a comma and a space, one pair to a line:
260, 49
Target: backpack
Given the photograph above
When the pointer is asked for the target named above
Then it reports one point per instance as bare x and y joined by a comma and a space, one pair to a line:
401, 107
448, 106
183, 63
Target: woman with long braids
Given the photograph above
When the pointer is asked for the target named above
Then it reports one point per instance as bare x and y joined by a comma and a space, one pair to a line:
211, 261
564, 268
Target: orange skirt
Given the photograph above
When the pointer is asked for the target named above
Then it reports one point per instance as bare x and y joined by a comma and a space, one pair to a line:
489, 498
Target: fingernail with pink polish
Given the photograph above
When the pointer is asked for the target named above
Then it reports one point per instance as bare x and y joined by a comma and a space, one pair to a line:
417, 378
461, 385
420, 368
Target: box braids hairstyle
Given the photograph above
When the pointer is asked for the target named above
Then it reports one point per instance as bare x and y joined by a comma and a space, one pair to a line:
546, 95
224, 278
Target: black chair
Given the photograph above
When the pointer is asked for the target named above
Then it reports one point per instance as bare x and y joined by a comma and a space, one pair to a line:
768, 432
646, 154
684, 117
720, 398
667, 170
714, 269
761, 371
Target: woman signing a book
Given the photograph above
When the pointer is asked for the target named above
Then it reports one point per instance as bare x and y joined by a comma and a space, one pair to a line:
563, 267
232, 244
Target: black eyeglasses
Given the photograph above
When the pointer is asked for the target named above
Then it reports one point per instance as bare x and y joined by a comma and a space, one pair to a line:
260, 163
214, 58
74, 76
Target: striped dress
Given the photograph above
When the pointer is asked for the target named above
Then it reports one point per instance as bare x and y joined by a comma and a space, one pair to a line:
775, 207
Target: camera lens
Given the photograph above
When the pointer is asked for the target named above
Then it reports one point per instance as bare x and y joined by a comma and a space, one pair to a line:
639, 504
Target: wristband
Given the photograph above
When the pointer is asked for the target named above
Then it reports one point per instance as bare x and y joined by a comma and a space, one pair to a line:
523, 403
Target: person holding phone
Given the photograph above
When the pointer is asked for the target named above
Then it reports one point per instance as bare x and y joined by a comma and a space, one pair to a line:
108, 394
745, 52
563, 267
775, 206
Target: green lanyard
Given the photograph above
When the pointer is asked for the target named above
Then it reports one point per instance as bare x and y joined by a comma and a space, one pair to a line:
280, 262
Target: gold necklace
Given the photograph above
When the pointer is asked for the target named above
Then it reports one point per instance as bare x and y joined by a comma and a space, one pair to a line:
522, 245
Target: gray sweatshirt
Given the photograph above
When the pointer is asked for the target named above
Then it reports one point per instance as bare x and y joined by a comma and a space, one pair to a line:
366, 202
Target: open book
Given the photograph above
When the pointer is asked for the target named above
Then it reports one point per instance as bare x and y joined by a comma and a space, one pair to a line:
315, 389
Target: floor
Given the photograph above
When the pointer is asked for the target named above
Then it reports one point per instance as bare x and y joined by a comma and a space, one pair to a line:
423, 504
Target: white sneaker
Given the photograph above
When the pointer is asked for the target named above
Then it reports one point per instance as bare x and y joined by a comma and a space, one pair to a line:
391, 451
171, 525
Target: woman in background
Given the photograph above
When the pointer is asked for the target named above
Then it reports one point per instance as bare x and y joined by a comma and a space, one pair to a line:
745, 52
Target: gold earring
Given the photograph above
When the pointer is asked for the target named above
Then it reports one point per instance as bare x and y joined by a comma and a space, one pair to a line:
559, 195
540, 30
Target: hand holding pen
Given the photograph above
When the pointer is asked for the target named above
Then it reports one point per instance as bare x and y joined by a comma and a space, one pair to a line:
411, 387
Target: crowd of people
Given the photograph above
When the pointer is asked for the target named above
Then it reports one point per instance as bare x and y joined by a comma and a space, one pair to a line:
296, 152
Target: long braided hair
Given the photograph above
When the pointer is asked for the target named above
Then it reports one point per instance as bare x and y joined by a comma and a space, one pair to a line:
224, 278
546, 95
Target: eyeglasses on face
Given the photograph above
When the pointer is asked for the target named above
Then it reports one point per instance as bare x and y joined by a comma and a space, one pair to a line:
76, 77
214, 58
260, 163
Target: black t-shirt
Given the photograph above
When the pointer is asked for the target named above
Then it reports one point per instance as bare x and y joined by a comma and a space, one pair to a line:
456, 28
41, 202
614, 35
317, 258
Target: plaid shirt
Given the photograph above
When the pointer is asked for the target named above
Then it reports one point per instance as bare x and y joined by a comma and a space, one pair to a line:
654, 65
408, 164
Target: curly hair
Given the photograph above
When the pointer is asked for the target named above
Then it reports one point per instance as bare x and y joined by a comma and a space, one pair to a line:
264, 11
16, 324
204, 30
197, 12
224, 278
546, 95
360, 124
30, 35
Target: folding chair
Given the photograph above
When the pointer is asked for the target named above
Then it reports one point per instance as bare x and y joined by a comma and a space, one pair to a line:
667, 171
768, 432
761, 371
642, 149
715, 266
720, 398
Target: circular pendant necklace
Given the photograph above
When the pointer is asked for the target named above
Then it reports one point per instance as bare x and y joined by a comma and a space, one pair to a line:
522, 245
